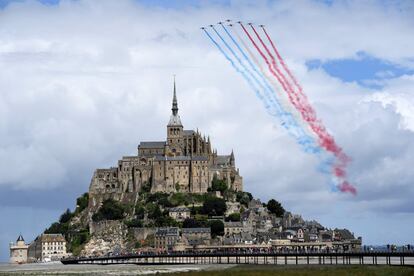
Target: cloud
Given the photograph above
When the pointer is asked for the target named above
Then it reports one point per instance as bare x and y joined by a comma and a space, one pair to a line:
84, 81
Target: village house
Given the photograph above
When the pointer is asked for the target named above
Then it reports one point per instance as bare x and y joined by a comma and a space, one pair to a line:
233, 227
179, 213
166, 237
196, 236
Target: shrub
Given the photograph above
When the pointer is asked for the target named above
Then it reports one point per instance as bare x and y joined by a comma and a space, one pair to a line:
191, 223
180, 199
146, 188
233, 217
77, 240
218, 185
244, 198
57, 228
217, 228
134, 223
66, 216
82, 202
153, 210
214, 206
160, 198
110, 210
164, 221
139, 211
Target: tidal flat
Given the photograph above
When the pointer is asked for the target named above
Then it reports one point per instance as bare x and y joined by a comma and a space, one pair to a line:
121, 269
204, 270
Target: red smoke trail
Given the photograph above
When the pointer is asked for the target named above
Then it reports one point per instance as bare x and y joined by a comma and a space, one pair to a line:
299, 100
265, 58
279, 57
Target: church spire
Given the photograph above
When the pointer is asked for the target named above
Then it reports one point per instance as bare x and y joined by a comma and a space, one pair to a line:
174, 103
175, 118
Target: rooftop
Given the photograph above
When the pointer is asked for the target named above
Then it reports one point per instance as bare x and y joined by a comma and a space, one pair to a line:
196, 230
152, 145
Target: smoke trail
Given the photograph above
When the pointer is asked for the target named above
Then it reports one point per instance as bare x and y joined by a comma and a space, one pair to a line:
249, 81
300, 101
278, 108
287, 118
279, 57
339, 169
328, 141
274, 83
302, 138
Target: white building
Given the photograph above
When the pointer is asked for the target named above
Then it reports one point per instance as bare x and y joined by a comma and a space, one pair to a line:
48, 247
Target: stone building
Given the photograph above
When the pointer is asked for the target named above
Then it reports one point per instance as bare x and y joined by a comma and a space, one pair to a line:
166, 237
18, 251
196, 236
233, 227
48, 247
179, 213
184, 162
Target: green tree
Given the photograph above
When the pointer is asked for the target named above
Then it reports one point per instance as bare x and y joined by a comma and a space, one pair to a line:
214, 206
139, 211
110, 210
217, 228
82, 202
146, 188
57, 228
154, 211
66, 216
191, 223
218, 184
275, 207
164, 221
233, 217
134, 223
244, 197
180, 199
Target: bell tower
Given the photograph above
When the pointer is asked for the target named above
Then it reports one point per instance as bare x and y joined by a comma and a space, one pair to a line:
174, 129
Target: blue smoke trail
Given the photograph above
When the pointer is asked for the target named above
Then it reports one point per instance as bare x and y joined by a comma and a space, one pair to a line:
249, 81
288, 122
279, 110
255, 69
307, 142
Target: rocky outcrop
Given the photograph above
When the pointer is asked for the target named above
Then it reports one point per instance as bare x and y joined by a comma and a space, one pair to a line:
108, 237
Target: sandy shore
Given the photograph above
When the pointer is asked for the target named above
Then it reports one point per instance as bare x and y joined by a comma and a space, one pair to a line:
60, 269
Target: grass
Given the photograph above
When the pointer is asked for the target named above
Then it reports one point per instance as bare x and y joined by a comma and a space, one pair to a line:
264, 270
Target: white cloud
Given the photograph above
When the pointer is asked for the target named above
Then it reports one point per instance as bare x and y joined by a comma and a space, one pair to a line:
83, 82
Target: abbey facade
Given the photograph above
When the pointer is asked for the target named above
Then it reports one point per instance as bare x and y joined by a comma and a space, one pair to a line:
185, 162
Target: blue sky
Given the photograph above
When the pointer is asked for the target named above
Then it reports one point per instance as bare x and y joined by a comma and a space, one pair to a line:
364, 69
93, 87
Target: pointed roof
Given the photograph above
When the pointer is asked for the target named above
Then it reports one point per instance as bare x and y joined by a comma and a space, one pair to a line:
20, 238
174, 103
175, 118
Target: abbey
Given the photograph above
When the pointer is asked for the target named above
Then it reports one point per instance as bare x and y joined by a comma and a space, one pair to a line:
185, 162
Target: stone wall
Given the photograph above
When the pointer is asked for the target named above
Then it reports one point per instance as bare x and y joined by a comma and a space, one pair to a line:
100, 227
142, 233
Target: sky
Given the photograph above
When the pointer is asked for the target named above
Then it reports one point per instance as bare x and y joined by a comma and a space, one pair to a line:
83, 82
